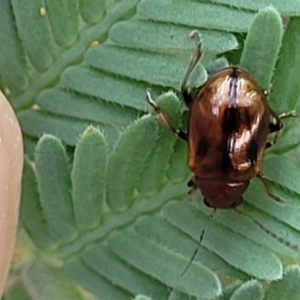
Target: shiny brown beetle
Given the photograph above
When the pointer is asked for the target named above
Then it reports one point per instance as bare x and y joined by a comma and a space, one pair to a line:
229, 121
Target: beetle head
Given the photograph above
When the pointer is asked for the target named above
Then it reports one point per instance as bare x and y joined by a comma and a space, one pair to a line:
220, 194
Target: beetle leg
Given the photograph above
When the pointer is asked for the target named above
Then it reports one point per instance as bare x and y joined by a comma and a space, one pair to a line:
266, 183
290, 114
194, 35
275, 125
273, 141
162, 117
191, 183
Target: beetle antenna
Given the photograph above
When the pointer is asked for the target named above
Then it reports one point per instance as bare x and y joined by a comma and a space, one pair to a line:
266, 230
194, 254
195, 36
197, 249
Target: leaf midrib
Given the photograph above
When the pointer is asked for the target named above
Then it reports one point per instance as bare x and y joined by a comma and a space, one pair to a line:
113, 221
73, 54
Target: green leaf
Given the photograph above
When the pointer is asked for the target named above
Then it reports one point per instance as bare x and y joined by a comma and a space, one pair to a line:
13, 71
128, 278
108, 88
86, 38
141, 297
88, 174
17, 292
157, 261
32, 215
196, 14
274, 165
159, 159
178, 166
111, 59
49, 282
92, 10
150, 242
285, 8
288, 287
164, 233
34, 33
54, 185
125, 167
63, 13
60, 102
228, 245
67, 129
106, 212
93, 282
285, 89
228, 292
176, 295
260, 54
288, 140
165, 37
251, 290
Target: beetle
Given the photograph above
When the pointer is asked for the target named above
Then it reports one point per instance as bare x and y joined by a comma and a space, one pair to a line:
229, 121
